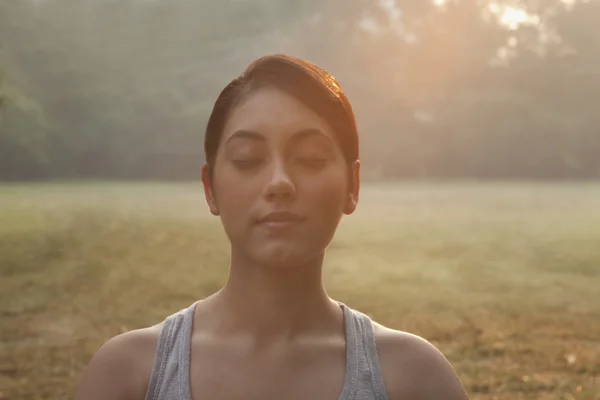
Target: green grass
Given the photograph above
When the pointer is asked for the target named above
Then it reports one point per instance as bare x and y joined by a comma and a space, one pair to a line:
504, 278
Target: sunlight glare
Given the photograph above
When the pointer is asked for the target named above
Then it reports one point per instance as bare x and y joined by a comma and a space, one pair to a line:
391, 8
369, 24
512, 17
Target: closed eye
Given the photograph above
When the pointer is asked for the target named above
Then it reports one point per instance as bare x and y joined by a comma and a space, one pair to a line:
247, 163
313, 162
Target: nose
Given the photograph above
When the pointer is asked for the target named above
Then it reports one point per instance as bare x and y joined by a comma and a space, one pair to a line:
280, 184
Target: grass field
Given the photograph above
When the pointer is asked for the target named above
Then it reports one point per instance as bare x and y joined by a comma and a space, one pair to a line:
504, 278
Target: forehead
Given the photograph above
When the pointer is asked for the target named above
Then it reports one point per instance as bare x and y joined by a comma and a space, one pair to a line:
274, 114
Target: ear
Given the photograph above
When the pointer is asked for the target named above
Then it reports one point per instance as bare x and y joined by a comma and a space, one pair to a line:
353, 188
208, 191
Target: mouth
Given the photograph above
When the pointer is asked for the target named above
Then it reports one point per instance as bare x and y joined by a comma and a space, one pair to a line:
280, 219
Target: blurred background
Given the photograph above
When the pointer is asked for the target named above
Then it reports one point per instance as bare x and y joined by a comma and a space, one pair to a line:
461, 88
479, 221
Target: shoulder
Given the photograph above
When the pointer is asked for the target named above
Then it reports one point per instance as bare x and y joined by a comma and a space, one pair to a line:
126, 361
414, 368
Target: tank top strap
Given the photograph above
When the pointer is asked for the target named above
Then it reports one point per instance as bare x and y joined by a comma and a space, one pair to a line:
171, 369
362, 362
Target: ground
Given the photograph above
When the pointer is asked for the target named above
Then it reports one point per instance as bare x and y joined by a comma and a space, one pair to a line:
503, 277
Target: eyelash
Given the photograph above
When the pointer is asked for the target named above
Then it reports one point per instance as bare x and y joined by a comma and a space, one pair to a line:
309, 162
313, 162
247, 163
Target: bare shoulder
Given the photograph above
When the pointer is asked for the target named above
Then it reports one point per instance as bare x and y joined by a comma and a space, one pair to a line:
413, 368
121, 368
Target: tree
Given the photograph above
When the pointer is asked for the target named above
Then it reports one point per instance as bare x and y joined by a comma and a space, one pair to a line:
449, 88
23, 144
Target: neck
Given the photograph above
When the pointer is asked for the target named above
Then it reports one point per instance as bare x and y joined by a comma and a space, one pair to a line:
270, 302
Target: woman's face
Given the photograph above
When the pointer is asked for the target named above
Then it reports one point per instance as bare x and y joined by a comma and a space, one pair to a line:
280, 181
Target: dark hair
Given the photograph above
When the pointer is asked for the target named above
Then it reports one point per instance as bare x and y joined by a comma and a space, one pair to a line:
310, 84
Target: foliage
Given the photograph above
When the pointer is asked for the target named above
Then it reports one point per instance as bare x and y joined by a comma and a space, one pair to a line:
23, 129
465, 88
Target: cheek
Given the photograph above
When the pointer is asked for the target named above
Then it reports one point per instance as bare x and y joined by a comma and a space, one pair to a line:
327, 194
233, 192
233, 201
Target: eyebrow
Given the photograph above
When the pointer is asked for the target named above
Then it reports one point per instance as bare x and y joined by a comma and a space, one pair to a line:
244, 133
301, 134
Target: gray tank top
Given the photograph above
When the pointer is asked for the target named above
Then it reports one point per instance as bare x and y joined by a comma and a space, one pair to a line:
170, 379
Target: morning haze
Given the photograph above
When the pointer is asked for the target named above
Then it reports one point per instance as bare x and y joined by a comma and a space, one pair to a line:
478, 225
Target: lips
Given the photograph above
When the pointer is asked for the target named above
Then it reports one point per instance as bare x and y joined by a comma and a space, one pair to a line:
281, 219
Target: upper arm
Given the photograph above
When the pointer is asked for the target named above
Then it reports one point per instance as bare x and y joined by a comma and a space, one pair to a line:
120, 369
414, 368
437, 377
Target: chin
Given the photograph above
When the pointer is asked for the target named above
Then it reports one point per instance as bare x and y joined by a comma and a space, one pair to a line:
286, 257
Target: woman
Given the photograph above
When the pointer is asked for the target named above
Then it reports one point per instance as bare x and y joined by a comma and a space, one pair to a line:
282, 168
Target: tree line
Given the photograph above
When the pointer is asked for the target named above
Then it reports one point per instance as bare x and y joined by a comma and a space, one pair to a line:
441, 89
